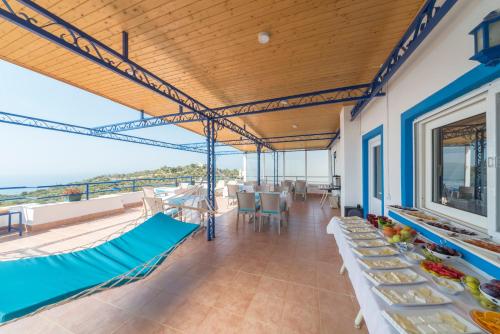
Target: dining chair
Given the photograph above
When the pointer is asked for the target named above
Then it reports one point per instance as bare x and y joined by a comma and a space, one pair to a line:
272, 206
232, 189
300, 189
247, 205
148, 191
152, 205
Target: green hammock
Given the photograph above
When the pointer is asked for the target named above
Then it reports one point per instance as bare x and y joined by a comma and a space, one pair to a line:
26, 285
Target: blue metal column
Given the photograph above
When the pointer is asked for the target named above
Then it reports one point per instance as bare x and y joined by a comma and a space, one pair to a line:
210, 133
259, 148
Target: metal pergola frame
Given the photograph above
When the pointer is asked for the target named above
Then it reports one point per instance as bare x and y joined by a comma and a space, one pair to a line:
213, 119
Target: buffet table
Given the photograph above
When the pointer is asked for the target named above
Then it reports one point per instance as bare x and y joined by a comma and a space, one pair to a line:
372, 306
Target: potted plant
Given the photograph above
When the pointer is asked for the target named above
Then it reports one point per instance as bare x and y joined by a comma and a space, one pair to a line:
73, 194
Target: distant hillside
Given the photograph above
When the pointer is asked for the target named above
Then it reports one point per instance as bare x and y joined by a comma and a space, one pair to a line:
198, 171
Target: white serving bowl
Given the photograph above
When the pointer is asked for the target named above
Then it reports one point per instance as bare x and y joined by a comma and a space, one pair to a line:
444, 256
492, 299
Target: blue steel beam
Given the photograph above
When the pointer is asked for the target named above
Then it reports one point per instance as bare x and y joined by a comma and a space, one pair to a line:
311, 99
147, 122
274, 140
427, 18
40, 123
330, 96
31, 16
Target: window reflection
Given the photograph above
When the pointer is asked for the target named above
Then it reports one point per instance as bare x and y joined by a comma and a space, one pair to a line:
459, 165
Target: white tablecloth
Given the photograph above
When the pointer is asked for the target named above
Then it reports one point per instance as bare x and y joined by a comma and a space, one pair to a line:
371, 305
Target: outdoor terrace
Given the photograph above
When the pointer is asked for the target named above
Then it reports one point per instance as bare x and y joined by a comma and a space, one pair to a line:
241, 282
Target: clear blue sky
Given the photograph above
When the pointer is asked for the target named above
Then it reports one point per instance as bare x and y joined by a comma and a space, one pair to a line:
33, 156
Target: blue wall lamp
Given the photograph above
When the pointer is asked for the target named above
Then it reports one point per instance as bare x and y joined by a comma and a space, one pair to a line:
487, 40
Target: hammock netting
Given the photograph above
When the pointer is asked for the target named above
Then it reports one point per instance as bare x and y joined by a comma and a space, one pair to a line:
30, 285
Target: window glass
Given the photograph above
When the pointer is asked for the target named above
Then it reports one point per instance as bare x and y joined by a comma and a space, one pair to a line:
295, 165
459, 165
377, 172
317, 167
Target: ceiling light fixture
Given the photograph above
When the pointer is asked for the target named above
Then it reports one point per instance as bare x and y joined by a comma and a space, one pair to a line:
294, 126
264, 37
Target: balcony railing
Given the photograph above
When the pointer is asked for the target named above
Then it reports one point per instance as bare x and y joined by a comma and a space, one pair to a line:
49, 193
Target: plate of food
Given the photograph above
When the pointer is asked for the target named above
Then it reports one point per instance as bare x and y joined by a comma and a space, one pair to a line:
414, 257
441, 270
362, 236
488, 246
418, 295
450, 228
487, 320
368, 243
491, 290
382, 263
429, 320
447, 286
375, 252
442, 252
393, 277
361, 229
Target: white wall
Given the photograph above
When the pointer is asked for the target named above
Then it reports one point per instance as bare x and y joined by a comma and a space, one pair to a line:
349, 160
440, 59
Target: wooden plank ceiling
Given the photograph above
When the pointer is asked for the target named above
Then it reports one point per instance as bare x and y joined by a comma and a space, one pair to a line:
209, 49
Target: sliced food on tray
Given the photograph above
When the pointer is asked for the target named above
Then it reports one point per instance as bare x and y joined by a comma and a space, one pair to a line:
384, 263
429, 322
364, 229
441, 270
411, 296
369, 243
362, 236
379, 251
488, 320
394, 277
450, 228
485, 244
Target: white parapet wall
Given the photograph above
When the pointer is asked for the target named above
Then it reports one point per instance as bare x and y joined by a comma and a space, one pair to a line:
40, 216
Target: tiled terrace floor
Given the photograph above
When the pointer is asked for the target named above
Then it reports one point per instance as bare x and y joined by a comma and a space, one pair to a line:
243, 282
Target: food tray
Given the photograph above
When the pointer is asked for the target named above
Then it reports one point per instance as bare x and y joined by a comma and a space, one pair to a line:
375, 252
365, 263
362, 236
403, 289
409, 272
388, 315
368, 243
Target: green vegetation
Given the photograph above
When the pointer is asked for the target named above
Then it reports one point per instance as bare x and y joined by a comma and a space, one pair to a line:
197, 171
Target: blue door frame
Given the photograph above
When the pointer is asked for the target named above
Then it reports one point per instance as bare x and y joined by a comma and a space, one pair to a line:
378, 131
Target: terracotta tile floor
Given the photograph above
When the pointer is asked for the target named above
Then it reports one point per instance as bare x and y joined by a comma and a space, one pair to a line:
242, 282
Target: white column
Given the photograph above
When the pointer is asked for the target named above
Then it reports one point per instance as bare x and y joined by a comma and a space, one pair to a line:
349, 160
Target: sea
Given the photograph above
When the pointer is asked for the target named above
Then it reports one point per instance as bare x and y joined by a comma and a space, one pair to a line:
32, 181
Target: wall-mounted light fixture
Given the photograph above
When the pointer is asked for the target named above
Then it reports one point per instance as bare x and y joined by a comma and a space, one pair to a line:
487, 40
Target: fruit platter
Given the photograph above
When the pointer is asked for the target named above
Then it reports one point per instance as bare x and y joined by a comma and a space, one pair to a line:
399, 233
489, 321
450, 228
393, 277
442, 252
362, 236
411, 296
384, 263
379, 251
369, 243
429, 321
441, 270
